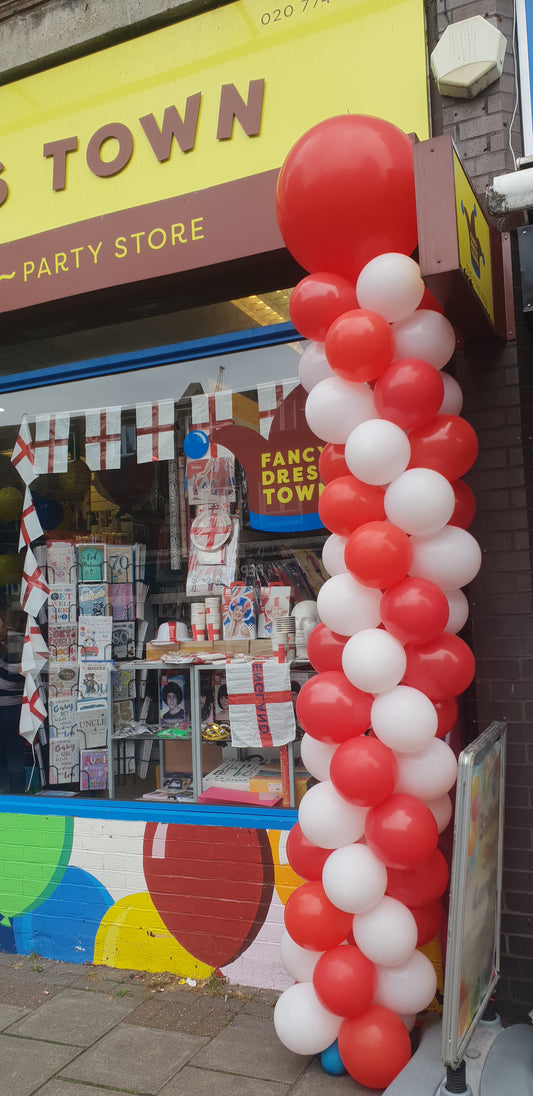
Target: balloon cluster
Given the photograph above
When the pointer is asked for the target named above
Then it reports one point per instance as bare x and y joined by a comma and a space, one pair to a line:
388, 658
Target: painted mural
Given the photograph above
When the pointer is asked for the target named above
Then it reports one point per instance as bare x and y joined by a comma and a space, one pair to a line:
188, 899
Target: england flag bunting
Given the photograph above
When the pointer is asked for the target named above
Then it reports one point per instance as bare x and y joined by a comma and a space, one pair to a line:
212, 410
34, 590
23, 456
35, 651
30, 526
102, 438
33, 711
155, 431
51, 442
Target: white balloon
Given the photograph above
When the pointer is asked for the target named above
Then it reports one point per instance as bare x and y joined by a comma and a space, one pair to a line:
404, 719
301, 1023
334, 407
425, 334
387, 934
459, 610
452, 401
314, 366
419, 501
346, 606
391, 285
316, 756
450, 558
328, 820
333, 554
408, 988
354, 879
409, 1020
441, 809
300, 962
377, 451
429, 773
373, 660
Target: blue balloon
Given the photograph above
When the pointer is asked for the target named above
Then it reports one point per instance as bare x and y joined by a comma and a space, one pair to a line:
195, 444
331, 1060
49, 511
65, 925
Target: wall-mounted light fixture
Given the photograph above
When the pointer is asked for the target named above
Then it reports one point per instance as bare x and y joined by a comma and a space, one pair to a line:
468, 57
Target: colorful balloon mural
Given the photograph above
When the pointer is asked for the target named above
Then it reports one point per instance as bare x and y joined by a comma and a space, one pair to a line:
49, 839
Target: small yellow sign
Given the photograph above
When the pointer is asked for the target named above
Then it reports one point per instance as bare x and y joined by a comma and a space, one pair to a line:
473, 235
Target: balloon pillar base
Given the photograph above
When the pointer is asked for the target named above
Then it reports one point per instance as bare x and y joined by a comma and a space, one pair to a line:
455, 1081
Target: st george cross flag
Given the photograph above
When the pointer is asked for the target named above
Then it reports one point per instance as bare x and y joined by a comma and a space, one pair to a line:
102, 438
213, 410
33, 711
260, 704
23, 457
155, 431
34, 590
51, 442
269, 398
30, 526
35, 650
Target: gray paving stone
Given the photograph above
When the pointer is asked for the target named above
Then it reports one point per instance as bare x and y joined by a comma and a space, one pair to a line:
9, 1014
316, 1082
74, 1017
27, 1063
251, 1048
134, 1059
204, 1082
70, 1088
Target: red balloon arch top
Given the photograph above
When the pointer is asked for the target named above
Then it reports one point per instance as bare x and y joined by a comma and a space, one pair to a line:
389, 664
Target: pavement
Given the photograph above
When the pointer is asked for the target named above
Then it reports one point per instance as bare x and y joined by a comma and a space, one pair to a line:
83, 1030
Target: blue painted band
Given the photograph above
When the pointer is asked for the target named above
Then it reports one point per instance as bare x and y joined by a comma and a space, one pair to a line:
239, 817
285, 523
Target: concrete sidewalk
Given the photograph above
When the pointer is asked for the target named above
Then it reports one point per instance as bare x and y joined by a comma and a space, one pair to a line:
68, 1030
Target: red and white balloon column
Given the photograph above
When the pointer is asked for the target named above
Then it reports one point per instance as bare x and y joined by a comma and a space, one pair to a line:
388, 658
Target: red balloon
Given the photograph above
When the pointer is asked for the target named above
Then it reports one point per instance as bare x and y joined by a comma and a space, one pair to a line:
442, 668
430, 302
346, 193
374, 1047
378, 554
305, 858
447, 712
313, 921
428, 922
401, 831
364, 771
409, 392
345, 980
465, 505
359, 345
331, 463
447, 443
415, 610
317, 301
419, 886
331, 709
346, 503
324, 649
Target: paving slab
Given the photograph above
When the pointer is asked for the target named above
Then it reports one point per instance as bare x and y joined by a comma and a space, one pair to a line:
28, 1063
204, 1082
187, 1011
70, 1088
25, 988
74, 1017
251, 1048
9, 1014
134, 1059
316, 1082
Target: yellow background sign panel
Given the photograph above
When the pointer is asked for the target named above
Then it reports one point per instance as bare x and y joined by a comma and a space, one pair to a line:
318, 58
473, 238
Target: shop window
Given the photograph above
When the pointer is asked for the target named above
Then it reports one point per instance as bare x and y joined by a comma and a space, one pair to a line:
147, 571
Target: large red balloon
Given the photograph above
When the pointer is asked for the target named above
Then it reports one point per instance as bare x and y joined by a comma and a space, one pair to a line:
331, 709
447, 443
443, 668
401, 831
346, 193
363, 771
346, 503
447, 712
317, 301
414, 610
305, 858
378, 554
374, 1047
409, 392
465, 505
331, 463
313, 921
359, 345
324, 648
419, 886
428, 921
345, 980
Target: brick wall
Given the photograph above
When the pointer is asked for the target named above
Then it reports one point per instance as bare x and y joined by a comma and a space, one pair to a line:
497, 385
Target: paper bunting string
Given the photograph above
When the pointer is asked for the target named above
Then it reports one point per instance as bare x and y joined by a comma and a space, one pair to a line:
30, 526
34, 590
32, 712
102, 438
23, 456
260, 704
155, 431
212, 410
35, 651
51, 442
